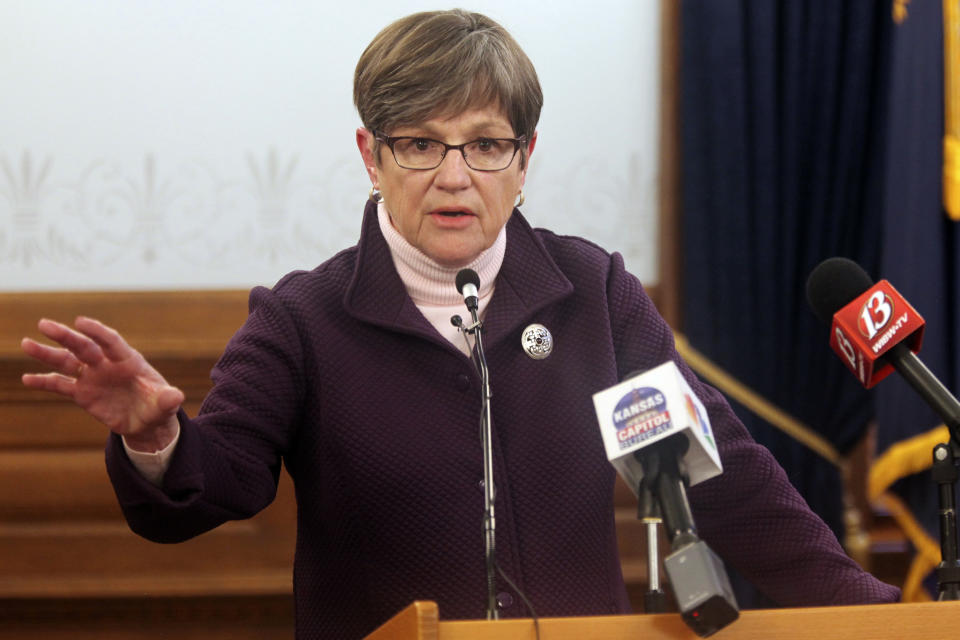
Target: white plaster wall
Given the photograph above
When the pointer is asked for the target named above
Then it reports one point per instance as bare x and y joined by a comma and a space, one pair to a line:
155, 144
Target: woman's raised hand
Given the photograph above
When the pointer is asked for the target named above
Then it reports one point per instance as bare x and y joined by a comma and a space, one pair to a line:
110, 380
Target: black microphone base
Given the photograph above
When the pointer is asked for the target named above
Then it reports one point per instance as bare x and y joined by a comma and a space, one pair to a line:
948, 580
702, 588
654, 601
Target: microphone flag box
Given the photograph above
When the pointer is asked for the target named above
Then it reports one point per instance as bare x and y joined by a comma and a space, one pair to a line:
869, 326
650, 407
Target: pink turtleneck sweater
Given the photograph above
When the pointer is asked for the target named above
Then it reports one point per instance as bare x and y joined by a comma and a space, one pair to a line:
431, 286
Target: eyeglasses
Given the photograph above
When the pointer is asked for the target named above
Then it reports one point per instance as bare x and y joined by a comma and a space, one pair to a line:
482, 154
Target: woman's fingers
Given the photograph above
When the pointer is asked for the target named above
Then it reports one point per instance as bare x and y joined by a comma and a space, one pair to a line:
60, 359
108, 339
55, 382
95, 367
81, 346
92, 344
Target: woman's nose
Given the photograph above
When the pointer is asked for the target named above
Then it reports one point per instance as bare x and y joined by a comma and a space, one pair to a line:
453, 172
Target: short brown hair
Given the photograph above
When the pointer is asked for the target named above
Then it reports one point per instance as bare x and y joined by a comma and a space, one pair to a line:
439, 63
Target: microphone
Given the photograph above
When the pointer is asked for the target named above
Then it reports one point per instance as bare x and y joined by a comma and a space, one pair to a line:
468, 284
875, 331
873, 328
656, 434
646, 409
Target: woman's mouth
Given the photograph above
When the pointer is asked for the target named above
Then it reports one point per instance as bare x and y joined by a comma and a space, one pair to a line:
452, 218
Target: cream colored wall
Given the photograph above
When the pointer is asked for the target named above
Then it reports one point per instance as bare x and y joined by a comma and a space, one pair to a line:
148, 144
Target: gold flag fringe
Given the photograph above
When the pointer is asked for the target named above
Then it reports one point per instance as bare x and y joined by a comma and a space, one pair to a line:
951, 111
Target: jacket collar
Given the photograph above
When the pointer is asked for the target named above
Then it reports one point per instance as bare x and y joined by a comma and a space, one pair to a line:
529, 280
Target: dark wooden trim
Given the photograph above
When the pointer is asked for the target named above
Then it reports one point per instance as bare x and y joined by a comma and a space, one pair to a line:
187, 618
669, 290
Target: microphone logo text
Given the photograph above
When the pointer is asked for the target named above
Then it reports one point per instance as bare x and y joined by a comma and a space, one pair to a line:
640, 415
875, 314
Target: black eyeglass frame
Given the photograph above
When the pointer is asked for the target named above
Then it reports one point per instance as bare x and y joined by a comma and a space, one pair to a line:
390, 141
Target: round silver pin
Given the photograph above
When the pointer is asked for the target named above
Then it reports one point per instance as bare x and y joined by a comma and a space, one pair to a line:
537, 341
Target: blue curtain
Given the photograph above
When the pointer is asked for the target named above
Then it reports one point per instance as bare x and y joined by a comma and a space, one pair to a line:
809, 130
921, 246
782, 168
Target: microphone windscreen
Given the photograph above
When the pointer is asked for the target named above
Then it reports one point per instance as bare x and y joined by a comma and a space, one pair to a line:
833, 284
465, 277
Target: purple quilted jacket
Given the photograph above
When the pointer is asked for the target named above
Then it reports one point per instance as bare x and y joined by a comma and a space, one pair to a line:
337, 375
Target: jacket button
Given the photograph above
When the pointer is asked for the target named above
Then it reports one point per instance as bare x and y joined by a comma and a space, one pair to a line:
504, 600
463, 382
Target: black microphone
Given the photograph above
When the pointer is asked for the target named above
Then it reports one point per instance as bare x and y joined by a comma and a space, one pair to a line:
832, 286
468, 284
838, 289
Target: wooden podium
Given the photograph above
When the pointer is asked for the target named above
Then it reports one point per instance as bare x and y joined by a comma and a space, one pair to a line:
921, 621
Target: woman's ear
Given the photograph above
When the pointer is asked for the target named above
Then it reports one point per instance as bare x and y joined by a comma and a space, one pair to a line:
532, 144
365, 143
528, 151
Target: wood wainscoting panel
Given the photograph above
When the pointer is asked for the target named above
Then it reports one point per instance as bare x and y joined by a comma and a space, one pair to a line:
70, 565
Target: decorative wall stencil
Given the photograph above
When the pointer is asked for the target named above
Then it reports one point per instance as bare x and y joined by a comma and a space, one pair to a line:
138, 214
273, 216
27, 235
279, 213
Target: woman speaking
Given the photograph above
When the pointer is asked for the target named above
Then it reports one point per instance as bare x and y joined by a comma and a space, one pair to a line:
353, 377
